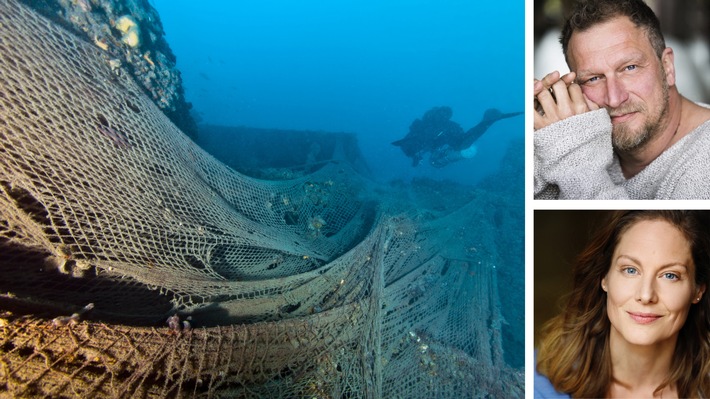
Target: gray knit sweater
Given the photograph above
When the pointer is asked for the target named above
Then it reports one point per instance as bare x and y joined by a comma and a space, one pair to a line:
574, 159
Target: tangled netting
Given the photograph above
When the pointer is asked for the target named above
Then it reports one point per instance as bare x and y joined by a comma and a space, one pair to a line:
114, 221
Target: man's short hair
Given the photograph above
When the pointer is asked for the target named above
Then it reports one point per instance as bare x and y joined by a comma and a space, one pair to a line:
587, 13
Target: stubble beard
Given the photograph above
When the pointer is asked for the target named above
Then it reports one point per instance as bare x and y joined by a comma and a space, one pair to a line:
628, 140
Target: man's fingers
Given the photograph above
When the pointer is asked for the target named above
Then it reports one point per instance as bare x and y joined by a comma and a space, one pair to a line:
561, 95
546, 101
546, 110
556, 98
579, 101
550, 79
546, 82
539, 121
568, 78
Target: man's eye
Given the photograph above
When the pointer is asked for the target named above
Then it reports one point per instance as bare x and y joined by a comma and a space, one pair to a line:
630, 67
592, 79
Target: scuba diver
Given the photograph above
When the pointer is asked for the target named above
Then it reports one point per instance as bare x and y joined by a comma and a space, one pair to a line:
444, 139
432, 131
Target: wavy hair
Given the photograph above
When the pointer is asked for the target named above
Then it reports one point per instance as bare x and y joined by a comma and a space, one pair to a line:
574, 351
587, 13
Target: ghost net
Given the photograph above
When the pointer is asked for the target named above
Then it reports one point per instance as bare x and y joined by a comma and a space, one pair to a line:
310, 287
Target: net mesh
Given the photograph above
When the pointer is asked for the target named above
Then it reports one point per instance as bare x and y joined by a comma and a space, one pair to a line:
310, 287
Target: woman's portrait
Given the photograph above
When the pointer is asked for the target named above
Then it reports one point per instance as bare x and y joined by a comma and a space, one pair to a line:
635, 323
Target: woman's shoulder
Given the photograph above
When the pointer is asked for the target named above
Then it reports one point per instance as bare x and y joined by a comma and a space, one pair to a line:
543, 388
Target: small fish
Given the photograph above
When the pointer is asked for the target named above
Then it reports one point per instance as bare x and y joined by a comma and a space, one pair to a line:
73, 319
66, 320
174, 322
84, 5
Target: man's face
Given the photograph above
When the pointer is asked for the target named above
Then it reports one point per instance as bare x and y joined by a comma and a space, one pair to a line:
618, 69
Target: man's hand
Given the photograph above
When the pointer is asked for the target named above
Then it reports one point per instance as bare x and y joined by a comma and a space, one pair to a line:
558, 98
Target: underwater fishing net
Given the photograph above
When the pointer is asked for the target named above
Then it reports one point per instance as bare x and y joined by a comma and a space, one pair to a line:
113, 221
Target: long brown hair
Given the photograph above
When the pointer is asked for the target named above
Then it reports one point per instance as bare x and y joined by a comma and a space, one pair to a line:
574, 351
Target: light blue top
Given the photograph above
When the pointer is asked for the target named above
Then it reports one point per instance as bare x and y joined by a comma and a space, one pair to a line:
543, 387
545, 390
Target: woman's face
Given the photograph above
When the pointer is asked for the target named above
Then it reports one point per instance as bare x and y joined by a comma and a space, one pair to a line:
650, 284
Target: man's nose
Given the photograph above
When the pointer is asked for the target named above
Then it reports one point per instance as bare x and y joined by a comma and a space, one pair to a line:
616, 93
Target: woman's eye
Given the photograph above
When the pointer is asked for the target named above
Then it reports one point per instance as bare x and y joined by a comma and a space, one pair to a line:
629, 270
671, 276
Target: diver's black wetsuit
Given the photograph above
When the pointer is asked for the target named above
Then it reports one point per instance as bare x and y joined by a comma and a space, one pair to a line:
444, 139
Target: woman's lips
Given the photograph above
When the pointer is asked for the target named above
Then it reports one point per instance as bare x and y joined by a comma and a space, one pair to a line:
644, 318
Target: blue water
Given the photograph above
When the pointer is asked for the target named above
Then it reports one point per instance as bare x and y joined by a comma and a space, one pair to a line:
368, 67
